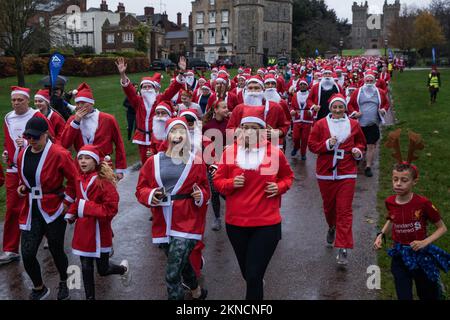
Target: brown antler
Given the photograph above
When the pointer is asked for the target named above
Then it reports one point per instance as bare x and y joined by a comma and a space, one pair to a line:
415, 144
393, 142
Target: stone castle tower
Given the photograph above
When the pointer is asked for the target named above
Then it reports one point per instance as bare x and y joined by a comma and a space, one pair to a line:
370, 31
258, 30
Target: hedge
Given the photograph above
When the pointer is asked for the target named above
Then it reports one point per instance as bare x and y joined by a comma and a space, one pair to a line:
77, 67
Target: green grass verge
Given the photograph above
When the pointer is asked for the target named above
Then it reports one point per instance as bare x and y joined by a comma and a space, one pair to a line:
353, 52
413, 112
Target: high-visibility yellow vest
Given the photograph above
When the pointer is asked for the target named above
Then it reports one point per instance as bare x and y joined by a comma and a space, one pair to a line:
390, 67
434, 81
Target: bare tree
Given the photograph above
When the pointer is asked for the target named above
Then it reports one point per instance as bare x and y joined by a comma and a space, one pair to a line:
18, 33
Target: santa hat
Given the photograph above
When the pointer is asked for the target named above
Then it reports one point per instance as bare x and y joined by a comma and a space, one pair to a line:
20, 90
202, 79
223, 70
190, 112
327, 69
155, 80
222, 78
240, 70
206, 86
248, 72
189, 73
84, 94
370, 74
272, 70
270, 78
166, 107
254, 115
261, 70
242, 76
43, 94
91, 151
173, 122
214, 70
302, 81
255, 79
337, 97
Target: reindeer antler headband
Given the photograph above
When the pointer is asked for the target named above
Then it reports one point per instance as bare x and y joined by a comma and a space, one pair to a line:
415, 144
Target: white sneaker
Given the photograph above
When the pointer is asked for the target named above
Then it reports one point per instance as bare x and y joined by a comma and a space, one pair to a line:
8, 257
126, 277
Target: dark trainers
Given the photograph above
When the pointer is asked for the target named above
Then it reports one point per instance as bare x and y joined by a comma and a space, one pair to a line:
294, 152
39, 294
303, 158
203, 295
63, 291
342, 257
331, 235
368, 172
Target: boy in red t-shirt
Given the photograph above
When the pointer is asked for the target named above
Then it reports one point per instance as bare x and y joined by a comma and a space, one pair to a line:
408, 215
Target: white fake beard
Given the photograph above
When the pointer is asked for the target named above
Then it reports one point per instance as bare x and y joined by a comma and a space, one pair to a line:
272, 94
327, 83
213, 76
254, 98
369, 90
250, 159
159, 128
190, 81
149, 97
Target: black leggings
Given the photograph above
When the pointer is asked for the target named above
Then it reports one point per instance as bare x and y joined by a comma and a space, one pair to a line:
104, 269
254, 248
31, 240
433, 94
215, 197
404, 278
131, 119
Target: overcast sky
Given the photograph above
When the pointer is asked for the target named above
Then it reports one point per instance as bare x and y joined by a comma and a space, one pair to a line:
343, 8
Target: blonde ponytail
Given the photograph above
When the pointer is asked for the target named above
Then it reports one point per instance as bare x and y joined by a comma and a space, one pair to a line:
105, 172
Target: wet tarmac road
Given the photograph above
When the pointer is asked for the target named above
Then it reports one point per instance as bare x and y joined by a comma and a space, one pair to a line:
302, 267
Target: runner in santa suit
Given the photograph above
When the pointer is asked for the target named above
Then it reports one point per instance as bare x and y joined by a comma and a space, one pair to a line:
204, 98
144, 105
97, 203
380, 83
42, 103
369, 105
240, 72
223, 91
339, 142
253, 175
186, 103
13, 128
340, 77
271, 93
240, 84
89, 126
321, 93
200, 83
43, 167
280, 83
274, 114
191, 85
384, 75
175, 186
163, 113
303, 119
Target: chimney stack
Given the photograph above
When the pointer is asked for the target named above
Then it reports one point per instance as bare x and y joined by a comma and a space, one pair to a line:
179, 19
120, 7
103, 6
149, 11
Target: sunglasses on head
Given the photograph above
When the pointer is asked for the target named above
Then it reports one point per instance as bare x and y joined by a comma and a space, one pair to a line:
31, 137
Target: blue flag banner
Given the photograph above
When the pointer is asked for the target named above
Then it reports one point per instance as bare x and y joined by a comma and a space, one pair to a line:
55, 65
317, 52
434, 55
391, 54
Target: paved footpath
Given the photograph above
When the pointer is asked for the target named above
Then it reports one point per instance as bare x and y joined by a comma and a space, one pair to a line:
302, 267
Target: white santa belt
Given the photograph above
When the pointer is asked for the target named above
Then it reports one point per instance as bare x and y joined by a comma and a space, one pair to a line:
303, 121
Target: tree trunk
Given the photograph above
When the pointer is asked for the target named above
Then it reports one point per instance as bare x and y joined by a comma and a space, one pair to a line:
20, 71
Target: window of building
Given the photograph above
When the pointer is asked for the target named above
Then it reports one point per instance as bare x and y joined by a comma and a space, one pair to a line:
265, 36
224, 35
212, 17
85, 23
199, 36
212, 36
225, 16
212, 2
110, 38
41, 21
128, 37
200, 17
77, 38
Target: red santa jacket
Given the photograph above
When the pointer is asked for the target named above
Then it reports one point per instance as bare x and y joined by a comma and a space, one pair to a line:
300, 106
336, 163
249, 206
97, 202
183, 218
144, 114
58, 124
381, 84
354, 104
10, 138
315, 94
56, 164
106, 134
275, 117
386, 77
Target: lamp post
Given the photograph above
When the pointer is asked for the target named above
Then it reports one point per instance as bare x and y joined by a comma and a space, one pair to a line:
385, 47
341, 46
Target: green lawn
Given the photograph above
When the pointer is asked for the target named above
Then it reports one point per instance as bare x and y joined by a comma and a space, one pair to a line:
432, 122
353, 52
107, 93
